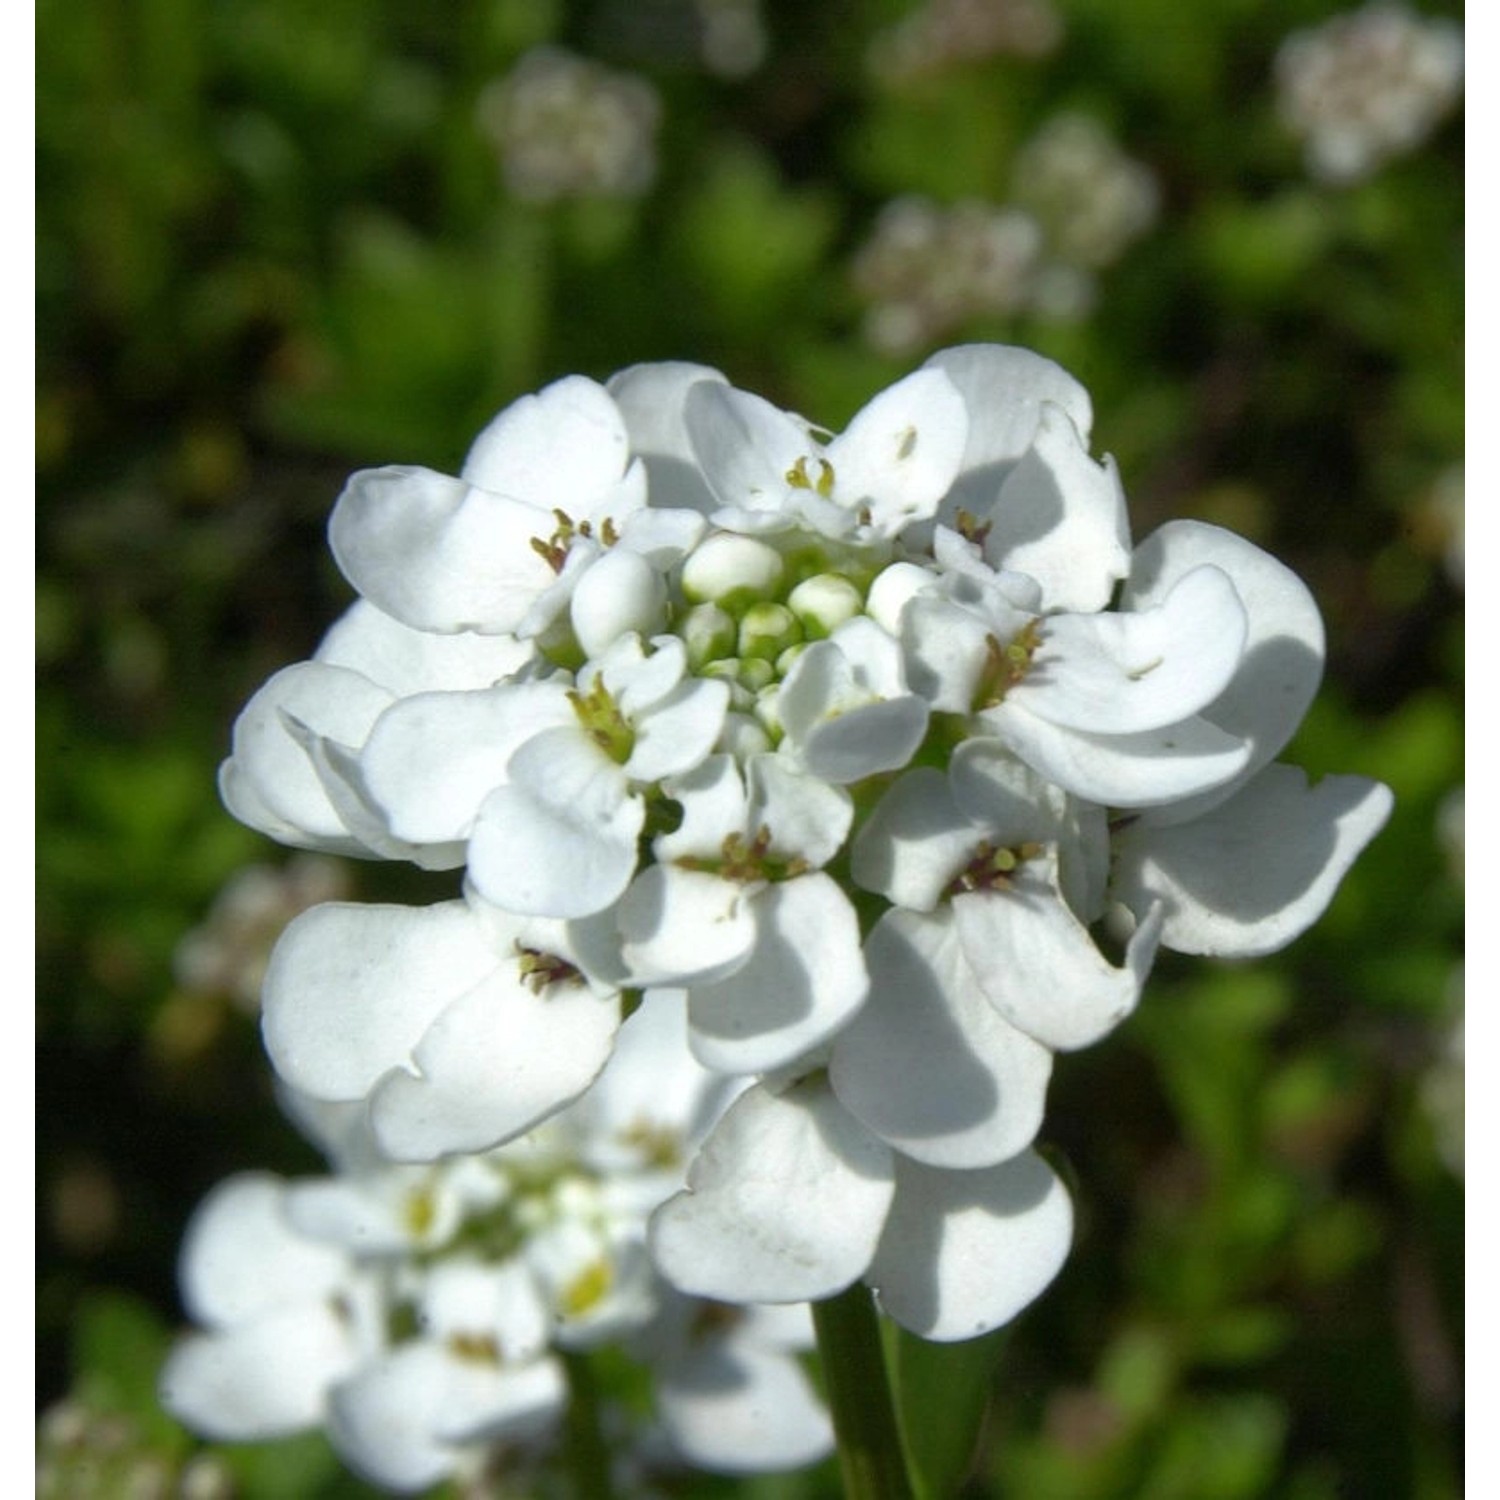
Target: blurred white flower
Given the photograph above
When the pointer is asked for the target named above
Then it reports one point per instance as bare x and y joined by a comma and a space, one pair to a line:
566, 127
1367, 86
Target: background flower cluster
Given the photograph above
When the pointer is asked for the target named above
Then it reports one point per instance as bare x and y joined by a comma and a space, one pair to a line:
275, 245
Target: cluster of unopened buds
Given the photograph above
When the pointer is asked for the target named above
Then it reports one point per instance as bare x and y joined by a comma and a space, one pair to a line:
884, 758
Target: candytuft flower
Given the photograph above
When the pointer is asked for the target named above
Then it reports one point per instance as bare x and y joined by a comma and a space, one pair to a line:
883, 760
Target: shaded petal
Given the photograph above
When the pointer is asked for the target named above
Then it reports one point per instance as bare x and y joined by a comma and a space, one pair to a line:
928, 1064
739, 1410
915, 842
494, 1063
343, 779
351, 989
1123, 672
745, 447
651, 398
1120, 770
432, 759
1282, 663
807, 818
1040, 968
1060, 518
270, 763
964, 1252
437, 553
801, 981
681, 925
1258, 870
243, 803
784, 1203
1005, 389
399, 1421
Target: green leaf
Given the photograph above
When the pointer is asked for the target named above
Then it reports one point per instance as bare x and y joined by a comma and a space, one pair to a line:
942, 1391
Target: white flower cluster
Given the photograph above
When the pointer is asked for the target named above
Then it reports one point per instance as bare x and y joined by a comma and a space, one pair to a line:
886, 750
1367, 86
565, 127
421, 1314
1078, 201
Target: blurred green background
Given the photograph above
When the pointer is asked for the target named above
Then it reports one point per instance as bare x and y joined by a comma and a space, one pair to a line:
277, 242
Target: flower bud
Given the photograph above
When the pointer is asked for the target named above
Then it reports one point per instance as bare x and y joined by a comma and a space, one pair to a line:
732, 570
890, 592
823, 603
708, 632
767, 630
620, 593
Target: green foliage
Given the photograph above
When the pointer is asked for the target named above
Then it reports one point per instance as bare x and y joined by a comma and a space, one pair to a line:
275, 243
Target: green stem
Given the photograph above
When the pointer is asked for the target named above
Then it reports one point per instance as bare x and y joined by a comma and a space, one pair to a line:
588, 1456
859, 1396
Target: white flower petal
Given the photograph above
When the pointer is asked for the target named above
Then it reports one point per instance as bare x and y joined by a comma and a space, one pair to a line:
1258, 870
915, 842
242, 1258
928, 1064
802, 980
1121, 770
343, 779
271, 763
680, 925
806, 818
431, 759
899, 455
739, 1410
400, 1420
679, 732
651, 398
620, 593
1040, 968
1005, 390
244, 803
1282, 663
948, 651
498, 1060
1060, 518
406, 661
560, 839
964, 1252
437, 553
350, 989
785, 1202
745, 446
564, 447
265, 1380
1124, 672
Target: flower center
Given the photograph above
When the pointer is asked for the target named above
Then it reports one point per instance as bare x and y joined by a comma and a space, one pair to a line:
992, 867
602, 720
1006, 665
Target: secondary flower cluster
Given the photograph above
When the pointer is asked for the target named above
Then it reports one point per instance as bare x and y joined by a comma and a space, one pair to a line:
422, 1314
886, 752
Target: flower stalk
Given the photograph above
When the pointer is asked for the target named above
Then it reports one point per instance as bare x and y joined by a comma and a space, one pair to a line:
858, 1391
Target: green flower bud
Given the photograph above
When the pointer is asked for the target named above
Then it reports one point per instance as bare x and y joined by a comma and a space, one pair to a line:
708, 632
766, 630
822, 603
732, 570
